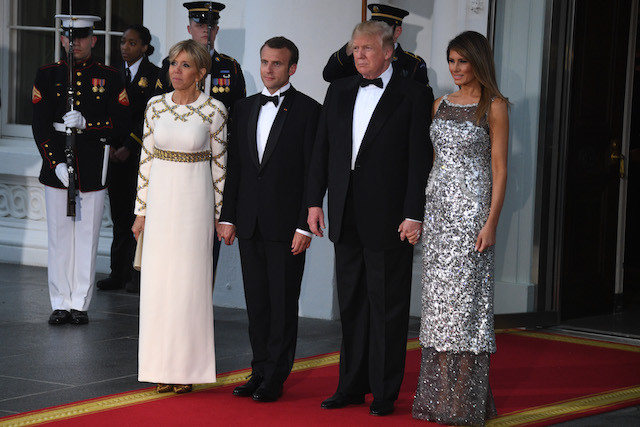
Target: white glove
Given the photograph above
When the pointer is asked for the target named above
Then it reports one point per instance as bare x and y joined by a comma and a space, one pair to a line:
74, 119
62, 174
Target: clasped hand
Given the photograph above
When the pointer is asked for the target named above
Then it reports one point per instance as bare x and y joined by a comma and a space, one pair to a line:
138, 226
410, 230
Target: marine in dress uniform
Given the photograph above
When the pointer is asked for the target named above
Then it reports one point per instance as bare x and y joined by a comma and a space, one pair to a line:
407, 64
139, 76
100, 111
227, 80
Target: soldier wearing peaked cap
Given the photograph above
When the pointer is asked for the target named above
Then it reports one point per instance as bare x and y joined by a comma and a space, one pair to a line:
409, 65
100, 111
227, 80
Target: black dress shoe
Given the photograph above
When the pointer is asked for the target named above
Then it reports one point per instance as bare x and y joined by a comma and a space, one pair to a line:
267, 394
340, 400
109, 284
132, 287
381, 407
250, 387
59, 317
79, 317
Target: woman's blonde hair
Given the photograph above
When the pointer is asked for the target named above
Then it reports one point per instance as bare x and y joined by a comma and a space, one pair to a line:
195, 51
475, 48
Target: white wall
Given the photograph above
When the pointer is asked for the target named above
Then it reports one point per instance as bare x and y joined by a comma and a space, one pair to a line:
518, 52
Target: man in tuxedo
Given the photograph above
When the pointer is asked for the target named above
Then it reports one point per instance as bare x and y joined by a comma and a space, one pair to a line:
265, 207
407, 64
373, 154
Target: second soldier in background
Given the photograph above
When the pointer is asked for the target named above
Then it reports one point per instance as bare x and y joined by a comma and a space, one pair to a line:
227, 80
408, 64
139, 76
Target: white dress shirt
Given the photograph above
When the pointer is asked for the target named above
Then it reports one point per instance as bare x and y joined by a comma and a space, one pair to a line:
134, 68
366, 102
266, 116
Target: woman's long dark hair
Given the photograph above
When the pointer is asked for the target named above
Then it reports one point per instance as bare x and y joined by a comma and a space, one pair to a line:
475, 48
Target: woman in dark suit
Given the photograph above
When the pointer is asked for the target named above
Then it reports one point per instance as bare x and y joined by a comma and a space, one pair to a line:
139, 75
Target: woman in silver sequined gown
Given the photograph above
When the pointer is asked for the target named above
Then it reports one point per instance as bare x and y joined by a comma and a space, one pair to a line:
464, 197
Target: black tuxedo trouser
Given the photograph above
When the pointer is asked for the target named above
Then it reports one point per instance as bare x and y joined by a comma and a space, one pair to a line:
272, 277
122, 194
216, 253
374, 292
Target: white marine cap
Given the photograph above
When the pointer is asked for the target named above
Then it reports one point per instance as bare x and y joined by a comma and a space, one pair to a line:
78, 22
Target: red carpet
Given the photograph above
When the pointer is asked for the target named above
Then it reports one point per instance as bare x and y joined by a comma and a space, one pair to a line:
537, 379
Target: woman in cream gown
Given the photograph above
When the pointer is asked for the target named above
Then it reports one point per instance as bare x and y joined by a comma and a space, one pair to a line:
180, 186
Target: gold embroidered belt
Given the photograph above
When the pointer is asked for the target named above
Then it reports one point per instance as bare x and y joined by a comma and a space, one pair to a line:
179, 156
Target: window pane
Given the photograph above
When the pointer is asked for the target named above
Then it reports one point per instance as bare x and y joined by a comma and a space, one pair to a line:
125, 13
29, 50
38, 13
98, 50
23, 69
87, 7
116, 58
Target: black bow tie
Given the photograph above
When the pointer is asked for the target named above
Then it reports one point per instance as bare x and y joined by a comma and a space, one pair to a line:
366, 82
264, 99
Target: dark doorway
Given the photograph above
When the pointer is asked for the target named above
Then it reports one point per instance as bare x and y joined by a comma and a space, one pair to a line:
631, 282
587, 270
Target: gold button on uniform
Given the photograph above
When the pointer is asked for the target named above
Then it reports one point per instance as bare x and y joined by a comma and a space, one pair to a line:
79, 83
79, 73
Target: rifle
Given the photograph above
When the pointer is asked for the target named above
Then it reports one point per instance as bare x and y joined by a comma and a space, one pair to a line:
207, 80
70, 140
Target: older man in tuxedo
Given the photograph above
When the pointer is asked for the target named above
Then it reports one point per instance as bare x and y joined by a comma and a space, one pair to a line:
269, 154
373, 154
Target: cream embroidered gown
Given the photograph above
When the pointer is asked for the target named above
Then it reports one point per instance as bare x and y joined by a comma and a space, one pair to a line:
180, 185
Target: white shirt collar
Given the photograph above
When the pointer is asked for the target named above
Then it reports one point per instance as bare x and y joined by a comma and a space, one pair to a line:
279, 92
134, 68
385, 76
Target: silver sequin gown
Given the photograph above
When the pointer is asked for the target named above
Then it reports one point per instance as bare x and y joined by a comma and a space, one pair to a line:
456, 332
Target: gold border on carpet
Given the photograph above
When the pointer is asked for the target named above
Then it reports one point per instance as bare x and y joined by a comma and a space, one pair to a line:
573, 406
519, 418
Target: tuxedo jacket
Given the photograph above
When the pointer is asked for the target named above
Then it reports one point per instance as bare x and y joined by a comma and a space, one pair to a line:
270, 193
392, 165
407, 64
140, 90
